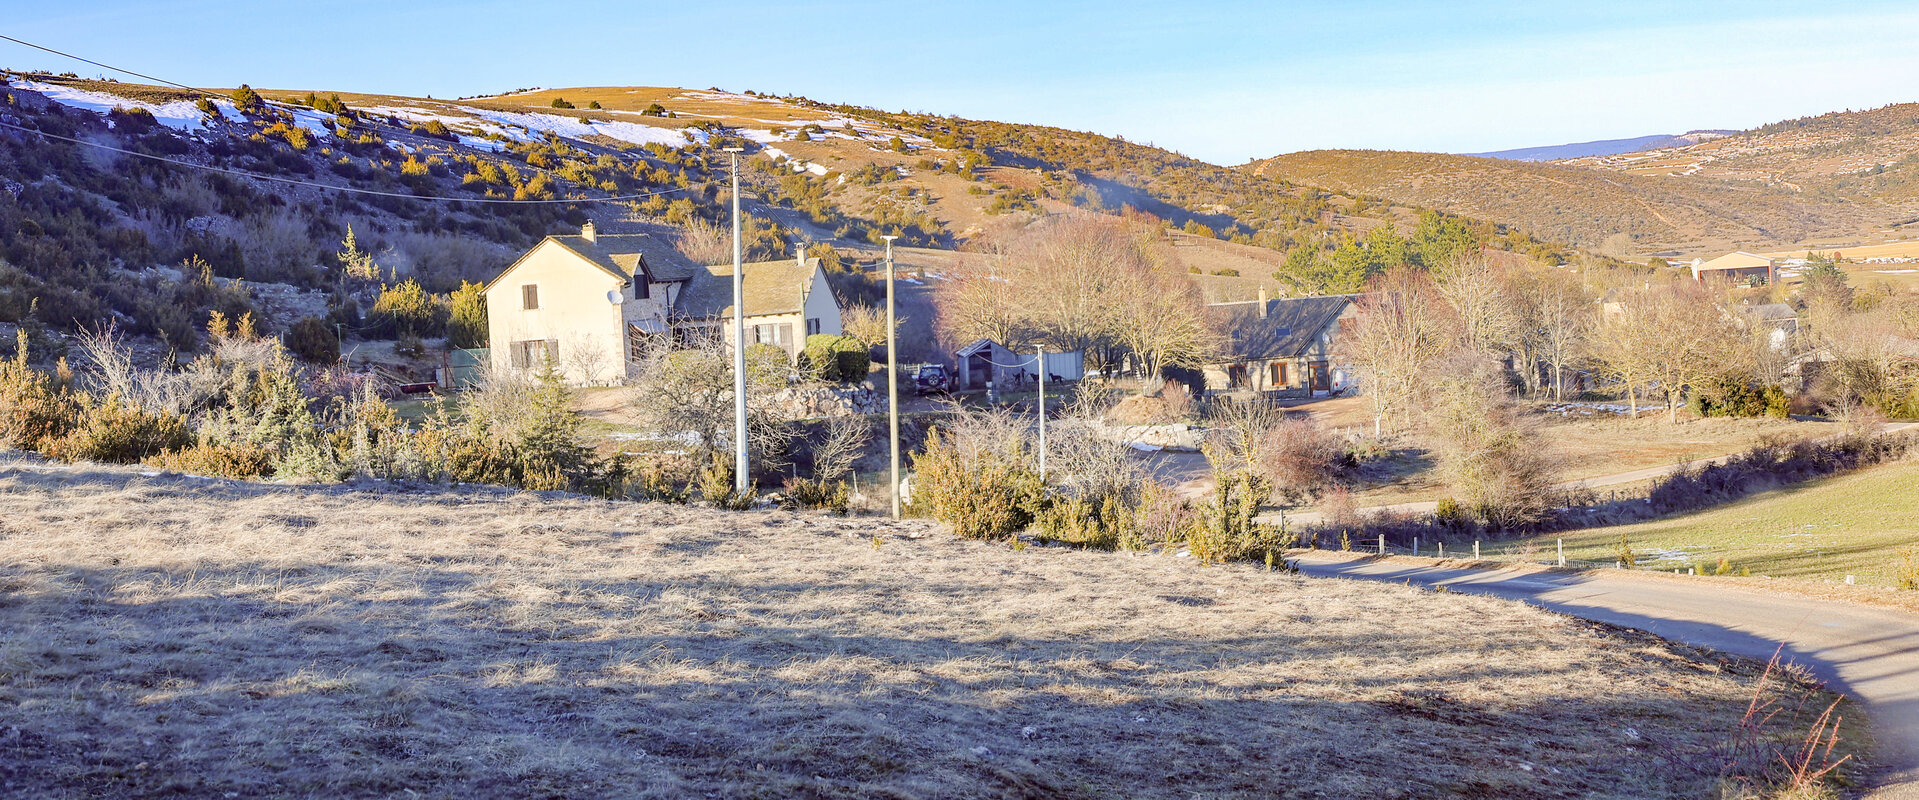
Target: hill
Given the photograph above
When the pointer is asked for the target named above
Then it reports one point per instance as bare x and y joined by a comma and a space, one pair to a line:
116, 192
1849, 177
169, 636
1620, 213
1603, 147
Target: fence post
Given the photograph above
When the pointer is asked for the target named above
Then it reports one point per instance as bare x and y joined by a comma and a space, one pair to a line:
1415, 545
1475, 549
1562, 551
1382, 544
1442, 549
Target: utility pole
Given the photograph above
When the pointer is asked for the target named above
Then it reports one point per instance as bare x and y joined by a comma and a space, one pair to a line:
1040, 359
892, 379
740, 476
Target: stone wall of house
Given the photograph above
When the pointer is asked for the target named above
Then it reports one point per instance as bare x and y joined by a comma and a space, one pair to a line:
815, 402
1177, 436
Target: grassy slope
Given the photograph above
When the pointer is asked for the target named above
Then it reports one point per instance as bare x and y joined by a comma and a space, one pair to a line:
1848, 525
1585, 206
174, 636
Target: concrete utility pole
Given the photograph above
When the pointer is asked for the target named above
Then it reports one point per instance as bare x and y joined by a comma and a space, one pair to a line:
740, 476
1040, 359
892, 379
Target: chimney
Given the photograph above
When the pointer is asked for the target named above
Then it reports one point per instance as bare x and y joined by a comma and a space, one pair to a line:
588, 233
1262, 301
799, 254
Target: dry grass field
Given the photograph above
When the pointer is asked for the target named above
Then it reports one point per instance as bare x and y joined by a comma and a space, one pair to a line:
1585, 447
171, 636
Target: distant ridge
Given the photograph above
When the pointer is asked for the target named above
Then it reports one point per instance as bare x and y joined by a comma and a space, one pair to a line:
1603, 147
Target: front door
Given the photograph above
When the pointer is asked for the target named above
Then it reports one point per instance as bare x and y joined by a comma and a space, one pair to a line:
1322, 377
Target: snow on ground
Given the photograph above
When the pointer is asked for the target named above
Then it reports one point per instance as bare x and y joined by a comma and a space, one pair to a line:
1895, 271
763, 137
319, 123
576, 128
179, 114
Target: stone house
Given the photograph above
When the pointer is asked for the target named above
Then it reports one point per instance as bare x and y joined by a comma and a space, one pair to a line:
595, 304
1282, 347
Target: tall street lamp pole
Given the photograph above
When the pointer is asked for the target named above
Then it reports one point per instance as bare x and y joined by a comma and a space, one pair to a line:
892, 378
740, 476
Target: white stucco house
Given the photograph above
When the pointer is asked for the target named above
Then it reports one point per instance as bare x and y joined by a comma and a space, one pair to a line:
594, 304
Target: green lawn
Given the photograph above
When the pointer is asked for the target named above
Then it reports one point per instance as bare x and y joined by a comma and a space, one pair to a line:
1854, 524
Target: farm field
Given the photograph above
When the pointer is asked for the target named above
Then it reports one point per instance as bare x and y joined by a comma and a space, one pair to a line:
167, 635
1861, 524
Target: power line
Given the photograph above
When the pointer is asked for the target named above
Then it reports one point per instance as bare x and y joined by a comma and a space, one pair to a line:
257, 176
106, 66
350, 189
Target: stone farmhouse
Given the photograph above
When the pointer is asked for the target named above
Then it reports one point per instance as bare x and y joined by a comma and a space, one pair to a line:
595, 305
1280, 347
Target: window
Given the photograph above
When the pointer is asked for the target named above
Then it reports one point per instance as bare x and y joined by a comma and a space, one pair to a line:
530, 296
1279, 375
531, 354
812, 326
641, 290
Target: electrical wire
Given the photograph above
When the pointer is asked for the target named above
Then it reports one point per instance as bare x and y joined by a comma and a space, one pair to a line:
349, 189
257, 176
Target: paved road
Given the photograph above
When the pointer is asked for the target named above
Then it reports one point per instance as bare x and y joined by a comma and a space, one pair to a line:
1869, 653
1615, 479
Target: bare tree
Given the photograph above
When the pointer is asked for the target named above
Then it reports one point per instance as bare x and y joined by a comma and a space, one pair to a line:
1490, 452
705, 243
687, 393
1483, 302
840, 446
1555, 315
1665, 338
1404, 327
867, 324
1079, 284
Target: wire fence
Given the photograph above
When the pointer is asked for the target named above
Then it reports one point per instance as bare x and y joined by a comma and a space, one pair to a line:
1510, 553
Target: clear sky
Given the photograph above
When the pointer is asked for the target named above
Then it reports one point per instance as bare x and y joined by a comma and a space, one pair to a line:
1225, 81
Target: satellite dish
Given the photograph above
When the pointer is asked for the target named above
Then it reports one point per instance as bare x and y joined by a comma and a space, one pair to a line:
615, 297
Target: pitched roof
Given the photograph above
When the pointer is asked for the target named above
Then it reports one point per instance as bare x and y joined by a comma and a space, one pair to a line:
770, 287
621, 255
1737, 260
1288, 330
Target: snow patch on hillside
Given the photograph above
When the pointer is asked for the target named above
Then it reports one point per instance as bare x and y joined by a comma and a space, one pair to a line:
179, 114
576, 128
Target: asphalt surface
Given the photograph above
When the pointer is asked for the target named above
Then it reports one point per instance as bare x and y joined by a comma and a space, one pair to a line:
1871, 654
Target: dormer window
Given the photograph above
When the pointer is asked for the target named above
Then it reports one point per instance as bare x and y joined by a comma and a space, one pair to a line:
641, 290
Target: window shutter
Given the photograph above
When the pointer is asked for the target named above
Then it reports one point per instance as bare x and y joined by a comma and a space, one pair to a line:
553, 351
530, 296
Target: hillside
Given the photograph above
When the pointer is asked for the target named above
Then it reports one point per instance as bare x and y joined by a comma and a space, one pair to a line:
1847, 178
168, 636
1620, 213
96, 226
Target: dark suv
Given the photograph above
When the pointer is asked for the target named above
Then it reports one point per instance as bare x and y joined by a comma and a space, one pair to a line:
932, 379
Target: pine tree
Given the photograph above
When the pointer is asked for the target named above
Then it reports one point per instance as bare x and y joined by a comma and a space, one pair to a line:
354, 262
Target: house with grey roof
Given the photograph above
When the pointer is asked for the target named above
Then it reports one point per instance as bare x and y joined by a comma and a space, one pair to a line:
1280, 347
786, 301
595, 304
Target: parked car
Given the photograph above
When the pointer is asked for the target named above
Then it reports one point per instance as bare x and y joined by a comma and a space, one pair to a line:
932, 379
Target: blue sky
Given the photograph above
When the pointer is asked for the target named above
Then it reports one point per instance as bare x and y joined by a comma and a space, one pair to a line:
1221, 81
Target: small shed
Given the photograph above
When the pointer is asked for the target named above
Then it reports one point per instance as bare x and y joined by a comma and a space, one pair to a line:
985, 363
